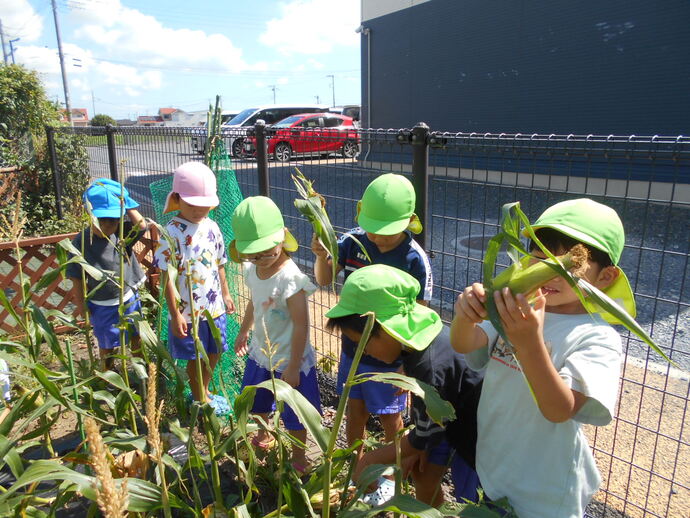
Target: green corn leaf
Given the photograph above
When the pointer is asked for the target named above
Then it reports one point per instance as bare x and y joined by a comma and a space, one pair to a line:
438, 408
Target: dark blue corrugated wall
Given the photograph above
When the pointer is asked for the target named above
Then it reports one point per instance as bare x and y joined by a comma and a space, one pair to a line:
608, 67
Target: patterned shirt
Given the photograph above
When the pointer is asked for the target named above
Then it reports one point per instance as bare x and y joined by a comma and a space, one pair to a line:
199, 252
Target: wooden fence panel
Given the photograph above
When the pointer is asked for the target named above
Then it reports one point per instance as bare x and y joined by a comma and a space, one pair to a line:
38, 258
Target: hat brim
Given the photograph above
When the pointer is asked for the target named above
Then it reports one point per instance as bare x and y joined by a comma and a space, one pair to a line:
108, 213
571, 232
237, 248
621, 293
201, 201
382, 228
415, 329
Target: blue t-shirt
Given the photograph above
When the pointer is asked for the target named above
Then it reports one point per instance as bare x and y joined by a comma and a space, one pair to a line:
408, 256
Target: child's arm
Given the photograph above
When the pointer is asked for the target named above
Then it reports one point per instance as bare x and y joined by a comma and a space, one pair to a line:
297, 307
78, 295
136, 219
524, 327
322, 266
243, 333
465, 335
178, 323
227, 298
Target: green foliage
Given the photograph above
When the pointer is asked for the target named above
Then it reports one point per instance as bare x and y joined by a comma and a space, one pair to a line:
102, 120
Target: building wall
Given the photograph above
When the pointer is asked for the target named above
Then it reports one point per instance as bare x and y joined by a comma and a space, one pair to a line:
614, 67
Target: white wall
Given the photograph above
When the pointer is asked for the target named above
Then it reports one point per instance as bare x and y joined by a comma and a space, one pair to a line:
375, 8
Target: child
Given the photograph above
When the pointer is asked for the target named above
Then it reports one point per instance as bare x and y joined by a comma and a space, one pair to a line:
278, 312
415, 333
199, 256
385, 214
98, 245
531, 447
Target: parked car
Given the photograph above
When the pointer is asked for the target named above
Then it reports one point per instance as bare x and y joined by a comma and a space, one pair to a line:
349, 110
199, 141
269, 114
310, 134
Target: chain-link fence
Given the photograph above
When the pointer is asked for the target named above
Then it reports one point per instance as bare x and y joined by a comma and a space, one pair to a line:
462, 180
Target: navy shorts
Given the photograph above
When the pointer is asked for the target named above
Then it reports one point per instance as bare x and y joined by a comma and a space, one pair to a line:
379, 398
183, 348
264, 402
105, 318
465, 479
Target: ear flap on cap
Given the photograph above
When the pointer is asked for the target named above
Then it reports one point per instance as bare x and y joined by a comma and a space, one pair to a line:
290, 243
171, 204
234, 254
415, 225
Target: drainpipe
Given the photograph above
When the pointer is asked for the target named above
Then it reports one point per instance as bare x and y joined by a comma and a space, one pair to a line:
367, 32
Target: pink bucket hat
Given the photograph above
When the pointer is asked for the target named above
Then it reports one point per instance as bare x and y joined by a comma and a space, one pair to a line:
196, 184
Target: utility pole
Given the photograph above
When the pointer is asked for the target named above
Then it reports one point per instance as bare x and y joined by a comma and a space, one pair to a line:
317, 99
12, 48
68, 106
273, 87
332, 86
2, 38
93, 104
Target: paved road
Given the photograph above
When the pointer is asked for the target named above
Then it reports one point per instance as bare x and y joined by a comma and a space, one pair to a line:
463, 216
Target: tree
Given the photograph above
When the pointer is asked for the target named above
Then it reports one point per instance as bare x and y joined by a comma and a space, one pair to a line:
102, 120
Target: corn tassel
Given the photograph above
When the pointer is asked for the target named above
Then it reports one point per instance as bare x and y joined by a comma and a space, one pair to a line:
527, 280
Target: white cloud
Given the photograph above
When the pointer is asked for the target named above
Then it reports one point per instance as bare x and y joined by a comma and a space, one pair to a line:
282, 81
20, 20
313, 26
143, 39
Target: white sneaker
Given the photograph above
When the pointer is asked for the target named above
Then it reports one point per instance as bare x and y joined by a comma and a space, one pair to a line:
382, 494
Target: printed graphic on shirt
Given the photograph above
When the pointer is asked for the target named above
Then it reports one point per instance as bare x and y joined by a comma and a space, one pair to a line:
504, 353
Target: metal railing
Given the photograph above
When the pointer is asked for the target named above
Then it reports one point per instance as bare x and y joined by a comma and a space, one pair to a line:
462, 180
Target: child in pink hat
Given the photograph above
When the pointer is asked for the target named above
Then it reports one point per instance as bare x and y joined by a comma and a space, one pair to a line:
196, 249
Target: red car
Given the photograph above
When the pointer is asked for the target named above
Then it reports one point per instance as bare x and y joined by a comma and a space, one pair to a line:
310, 134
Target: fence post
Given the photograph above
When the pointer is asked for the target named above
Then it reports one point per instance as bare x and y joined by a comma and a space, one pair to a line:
57, 179
112, 158
420, 177
262, 157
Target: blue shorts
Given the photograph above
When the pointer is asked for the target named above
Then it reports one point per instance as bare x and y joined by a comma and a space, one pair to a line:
465, 479
379, 398
105, 318
264, 402
183, 348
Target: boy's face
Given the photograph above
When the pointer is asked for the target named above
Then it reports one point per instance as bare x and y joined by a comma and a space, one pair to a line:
193, 213
381, 346
560, 296
386, 243
108, 226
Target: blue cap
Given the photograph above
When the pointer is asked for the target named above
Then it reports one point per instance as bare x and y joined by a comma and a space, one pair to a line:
104, 198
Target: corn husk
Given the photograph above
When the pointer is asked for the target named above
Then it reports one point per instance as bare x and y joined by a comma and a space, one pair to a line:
513, 221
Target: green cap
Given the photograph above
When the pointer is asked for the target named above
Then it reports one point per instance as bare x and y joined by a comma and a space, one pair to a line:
599, 226
258, 225
391, 295
387, 206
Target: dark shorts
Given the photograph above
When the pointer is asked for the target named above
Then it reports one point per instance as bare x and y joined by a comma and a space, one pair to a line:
379, 398
264, 402
183, 348
465, 479
105, 318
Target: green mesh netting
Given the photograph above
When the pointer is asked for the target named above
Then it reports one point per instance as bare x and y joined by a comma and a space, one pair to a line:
230, 368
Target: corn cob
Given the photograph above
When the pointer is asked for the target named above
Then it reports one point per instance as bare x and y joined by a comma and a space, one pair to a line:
526, 280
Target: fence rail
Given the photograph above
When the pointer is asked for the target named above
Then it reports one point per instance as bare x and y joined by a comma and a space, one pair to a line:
462, 180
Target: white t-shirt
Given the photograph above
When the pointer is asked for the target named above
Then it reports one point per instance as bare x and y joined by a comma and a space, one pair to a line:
545, 469
201, 244
269, 297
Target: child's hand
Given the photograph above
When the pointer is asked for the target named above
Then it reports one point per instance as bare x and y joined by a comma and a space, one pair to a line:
522, 323
241, 343
317, 248
470, 304
229, 304
291, 375
178, 324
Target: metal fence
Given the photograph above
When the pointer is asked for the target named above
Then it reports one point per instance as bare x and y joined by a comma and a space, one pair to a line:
462, 180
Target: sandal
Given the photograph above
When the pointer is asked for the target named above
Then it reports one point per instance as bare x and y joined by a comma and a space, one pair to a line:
382, 494
263, 445
301, 469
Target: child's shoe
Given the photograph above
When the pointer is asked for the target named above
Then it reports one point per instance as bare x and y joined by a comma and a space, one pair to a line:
382, 494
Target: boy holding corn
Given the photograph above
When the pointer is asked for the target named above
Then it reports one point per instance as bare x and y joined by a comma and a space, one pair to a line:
386, 217
560, 369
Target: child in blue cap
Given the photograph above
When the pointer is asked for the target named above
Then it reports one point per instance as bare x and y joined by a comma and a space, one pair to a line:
107, 200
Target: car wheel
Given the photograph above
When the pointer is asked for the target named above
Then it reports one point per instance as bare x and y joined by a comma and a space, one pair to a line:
238, 148
350, 149
283, 152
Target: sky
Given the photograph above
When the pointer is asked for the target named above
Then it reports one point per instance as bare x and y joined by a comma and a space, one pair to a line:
131, 58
